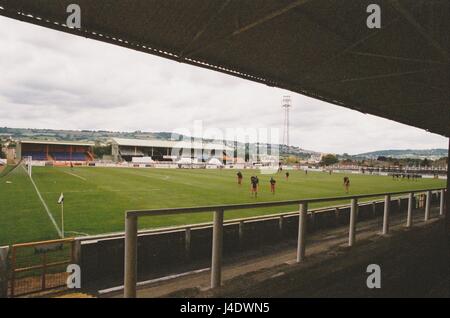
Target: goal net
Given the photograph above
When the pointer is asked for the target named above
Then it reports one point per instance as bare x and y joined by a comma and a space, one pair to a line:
23, 165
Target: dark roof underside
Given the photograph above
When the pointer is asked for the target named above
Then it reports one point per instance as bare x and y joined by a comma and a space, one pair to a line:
318, 48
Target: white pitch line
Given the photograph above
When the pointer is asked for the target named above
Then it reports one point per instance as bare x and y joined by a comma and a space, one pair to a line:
75, 175
161, 177
77, 233
45, 205
102, 191
148, 190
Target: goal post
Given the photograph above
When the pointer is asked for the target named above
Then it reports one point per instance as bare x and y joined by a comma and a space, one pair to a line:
29, 164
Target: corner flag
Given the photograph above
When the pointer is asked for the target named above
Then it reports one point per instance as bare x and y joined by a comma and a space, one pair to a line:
61, 199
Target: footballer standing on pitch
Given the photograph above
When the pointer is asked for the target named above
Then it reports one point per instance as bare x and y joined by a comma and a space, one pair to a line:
254, 185
272, 185
239, 177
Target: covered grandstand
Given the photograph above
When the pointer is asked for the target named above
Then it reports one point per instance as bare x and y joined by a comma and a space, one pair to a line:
42, 150
168, 150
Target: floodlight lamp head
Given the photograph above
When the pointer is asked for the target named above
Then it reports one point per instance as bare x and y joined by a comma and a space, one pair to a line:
286, 102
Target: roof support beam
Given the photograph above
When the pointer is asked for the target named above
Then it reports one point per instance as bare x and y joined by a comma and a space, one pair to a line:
432, 102
251, 25
408, 17
378, 76
349, 46
397, 58
205, 27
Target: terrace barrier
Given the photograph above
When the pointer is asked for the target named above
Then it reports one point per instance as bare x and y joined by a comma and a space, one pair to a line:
131, 226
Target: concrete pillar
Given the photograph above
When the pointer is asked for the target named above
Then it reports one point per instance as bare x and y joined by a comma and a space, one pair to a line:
241, 231
337, 214
409, 219
76, 252
4, 267
352, 226
216, 261
130, 273
441, 205
301, 246
447, 199
187, 242
280, 224
313, 221
427, 206
387, 204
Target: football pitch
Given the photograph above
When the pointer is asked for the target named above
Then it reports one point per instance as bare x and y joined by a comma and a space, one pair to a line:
95, 199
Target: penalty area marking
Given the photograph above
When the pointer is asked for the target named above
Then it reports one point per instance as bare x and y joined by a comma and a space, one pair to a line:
163, 178
75, 175
77, 233
44, 204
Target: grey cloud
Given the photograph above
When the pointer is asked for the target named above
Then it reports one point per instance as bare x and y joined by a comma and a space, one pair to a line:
54, 80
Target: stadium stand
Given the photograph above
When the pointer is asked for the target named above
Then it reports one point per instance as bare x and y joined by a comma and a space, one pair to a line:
55, 150
166, 150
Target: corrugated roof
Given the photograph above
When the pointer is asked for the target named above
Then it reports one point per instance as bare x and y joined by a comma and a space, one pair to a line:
58, 142
169, 144
143, 142
319, 48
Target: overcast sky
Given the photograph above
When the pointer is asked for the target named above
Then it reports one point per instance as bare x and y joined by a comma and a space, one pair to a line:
50, 79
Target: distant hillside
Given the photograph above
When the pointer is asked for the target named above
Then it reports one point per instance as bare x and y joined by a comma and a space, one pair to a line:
75, 135
103, 136
406, 153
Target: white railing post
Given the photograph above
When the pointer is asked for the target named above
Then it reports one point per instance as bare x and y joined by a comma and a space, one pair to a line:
351, 230
130, 275
441, 206
387, 203
427, 206
301, 245
409, 219
217, 241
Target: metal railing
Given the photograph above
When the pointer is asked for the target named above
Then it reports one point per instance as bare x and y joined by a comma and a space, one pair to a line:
39, 266
131, 227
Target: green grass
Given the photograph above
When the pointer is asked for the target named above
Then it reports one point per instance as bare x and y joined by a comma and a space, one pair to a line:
95, 201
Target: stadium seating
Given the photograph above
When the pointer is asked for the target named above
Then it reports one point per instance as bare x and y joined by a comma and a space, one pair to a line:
64, 156
36, 155
60, 156
78, 156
